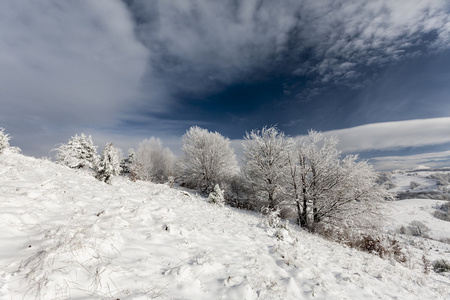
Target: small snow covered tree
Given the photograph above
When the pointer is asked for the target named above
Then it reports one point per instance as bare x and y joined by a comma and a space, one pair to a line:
152, 161
207, 160
4, 140
265, 161
109, 164
127, 162
78, 153
216, 196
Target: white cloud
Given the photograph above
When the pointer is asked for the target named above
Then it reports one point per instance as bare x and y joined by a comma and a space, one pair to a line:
412, 162
347, 35
66, 63
199, 44
393, 135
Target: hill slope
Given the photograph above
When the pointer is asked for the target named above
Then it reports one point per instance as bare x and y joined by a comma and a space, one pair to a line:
66, 235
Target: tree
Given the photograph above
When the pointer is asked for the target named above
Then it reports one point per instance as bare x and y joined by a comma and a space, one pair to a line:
152, 161
127, 162
207, 159
109, 164
326, 188
216, 196
265, 161
4, 140
78, 153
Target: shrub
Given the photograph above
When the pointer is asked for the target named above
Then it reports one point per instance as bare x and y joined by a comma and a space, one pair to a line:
426, 264
239, 194
442, 211
78, 153
441, 265
152, 162
414, 184
383, 246
417, 228
216, 196
442, 215
109, 165
4, 140
437, 195
271, 217
441, 179
385, 179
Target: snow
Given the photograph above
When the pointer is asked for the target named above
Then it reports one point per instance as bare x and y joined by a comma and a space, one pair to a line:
66, 235
403, 212
403, 181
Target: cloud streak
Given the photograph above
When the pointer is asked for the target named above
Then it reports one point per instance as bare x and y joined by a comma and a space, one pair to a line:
393, 135
411, 162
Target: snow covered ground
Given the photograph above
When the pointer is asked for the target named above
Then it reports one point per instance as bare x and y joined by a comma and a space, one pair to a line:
65, 235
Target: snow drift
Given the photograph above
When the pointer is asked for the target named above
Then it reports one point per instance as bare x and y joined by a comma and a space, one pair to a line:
65, 235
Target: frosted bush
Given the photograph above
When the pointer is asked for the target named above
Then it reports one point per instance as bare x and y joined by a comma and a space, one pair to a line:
78, 153
109, 165
216, 196
152, 162
271, 218
4, 140
441, 266
413, 184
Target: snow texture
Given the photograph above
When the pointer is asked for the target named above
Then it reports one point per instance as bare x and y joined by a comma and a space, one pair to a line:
66, 235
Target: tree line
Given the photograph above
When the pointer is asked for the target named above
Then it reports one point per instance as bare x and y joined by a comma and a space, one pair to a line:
305, 178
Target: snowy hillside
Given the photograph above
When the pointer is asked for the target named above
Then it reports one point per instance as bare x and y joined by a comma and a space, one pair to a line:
65, 235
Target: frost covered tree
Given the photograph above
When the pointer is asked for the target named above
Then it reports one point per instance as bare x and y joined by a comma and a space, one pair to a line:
78, 153
109, 165
4, 140
127, 162
207, 160
152, 161
265, 161
216, 196
325, 188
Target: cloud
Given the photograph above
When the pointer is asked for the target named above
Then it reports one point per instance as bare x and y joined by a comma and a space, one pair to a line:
66, 63
412, 162
393, 135
349, 36
198, 45
71, 66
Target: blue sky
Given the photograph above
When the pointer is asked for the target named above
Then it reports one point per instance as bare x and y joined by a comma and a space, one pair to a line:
375, 73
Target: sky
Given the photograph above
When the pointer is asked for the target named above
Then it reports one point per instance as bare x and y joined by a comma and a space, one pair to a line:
375, 73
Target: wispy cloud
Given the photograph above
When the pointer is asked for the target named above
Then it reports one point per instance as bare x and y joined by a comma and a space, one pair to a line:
349, 36
412, 162
393, 135
198, 45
